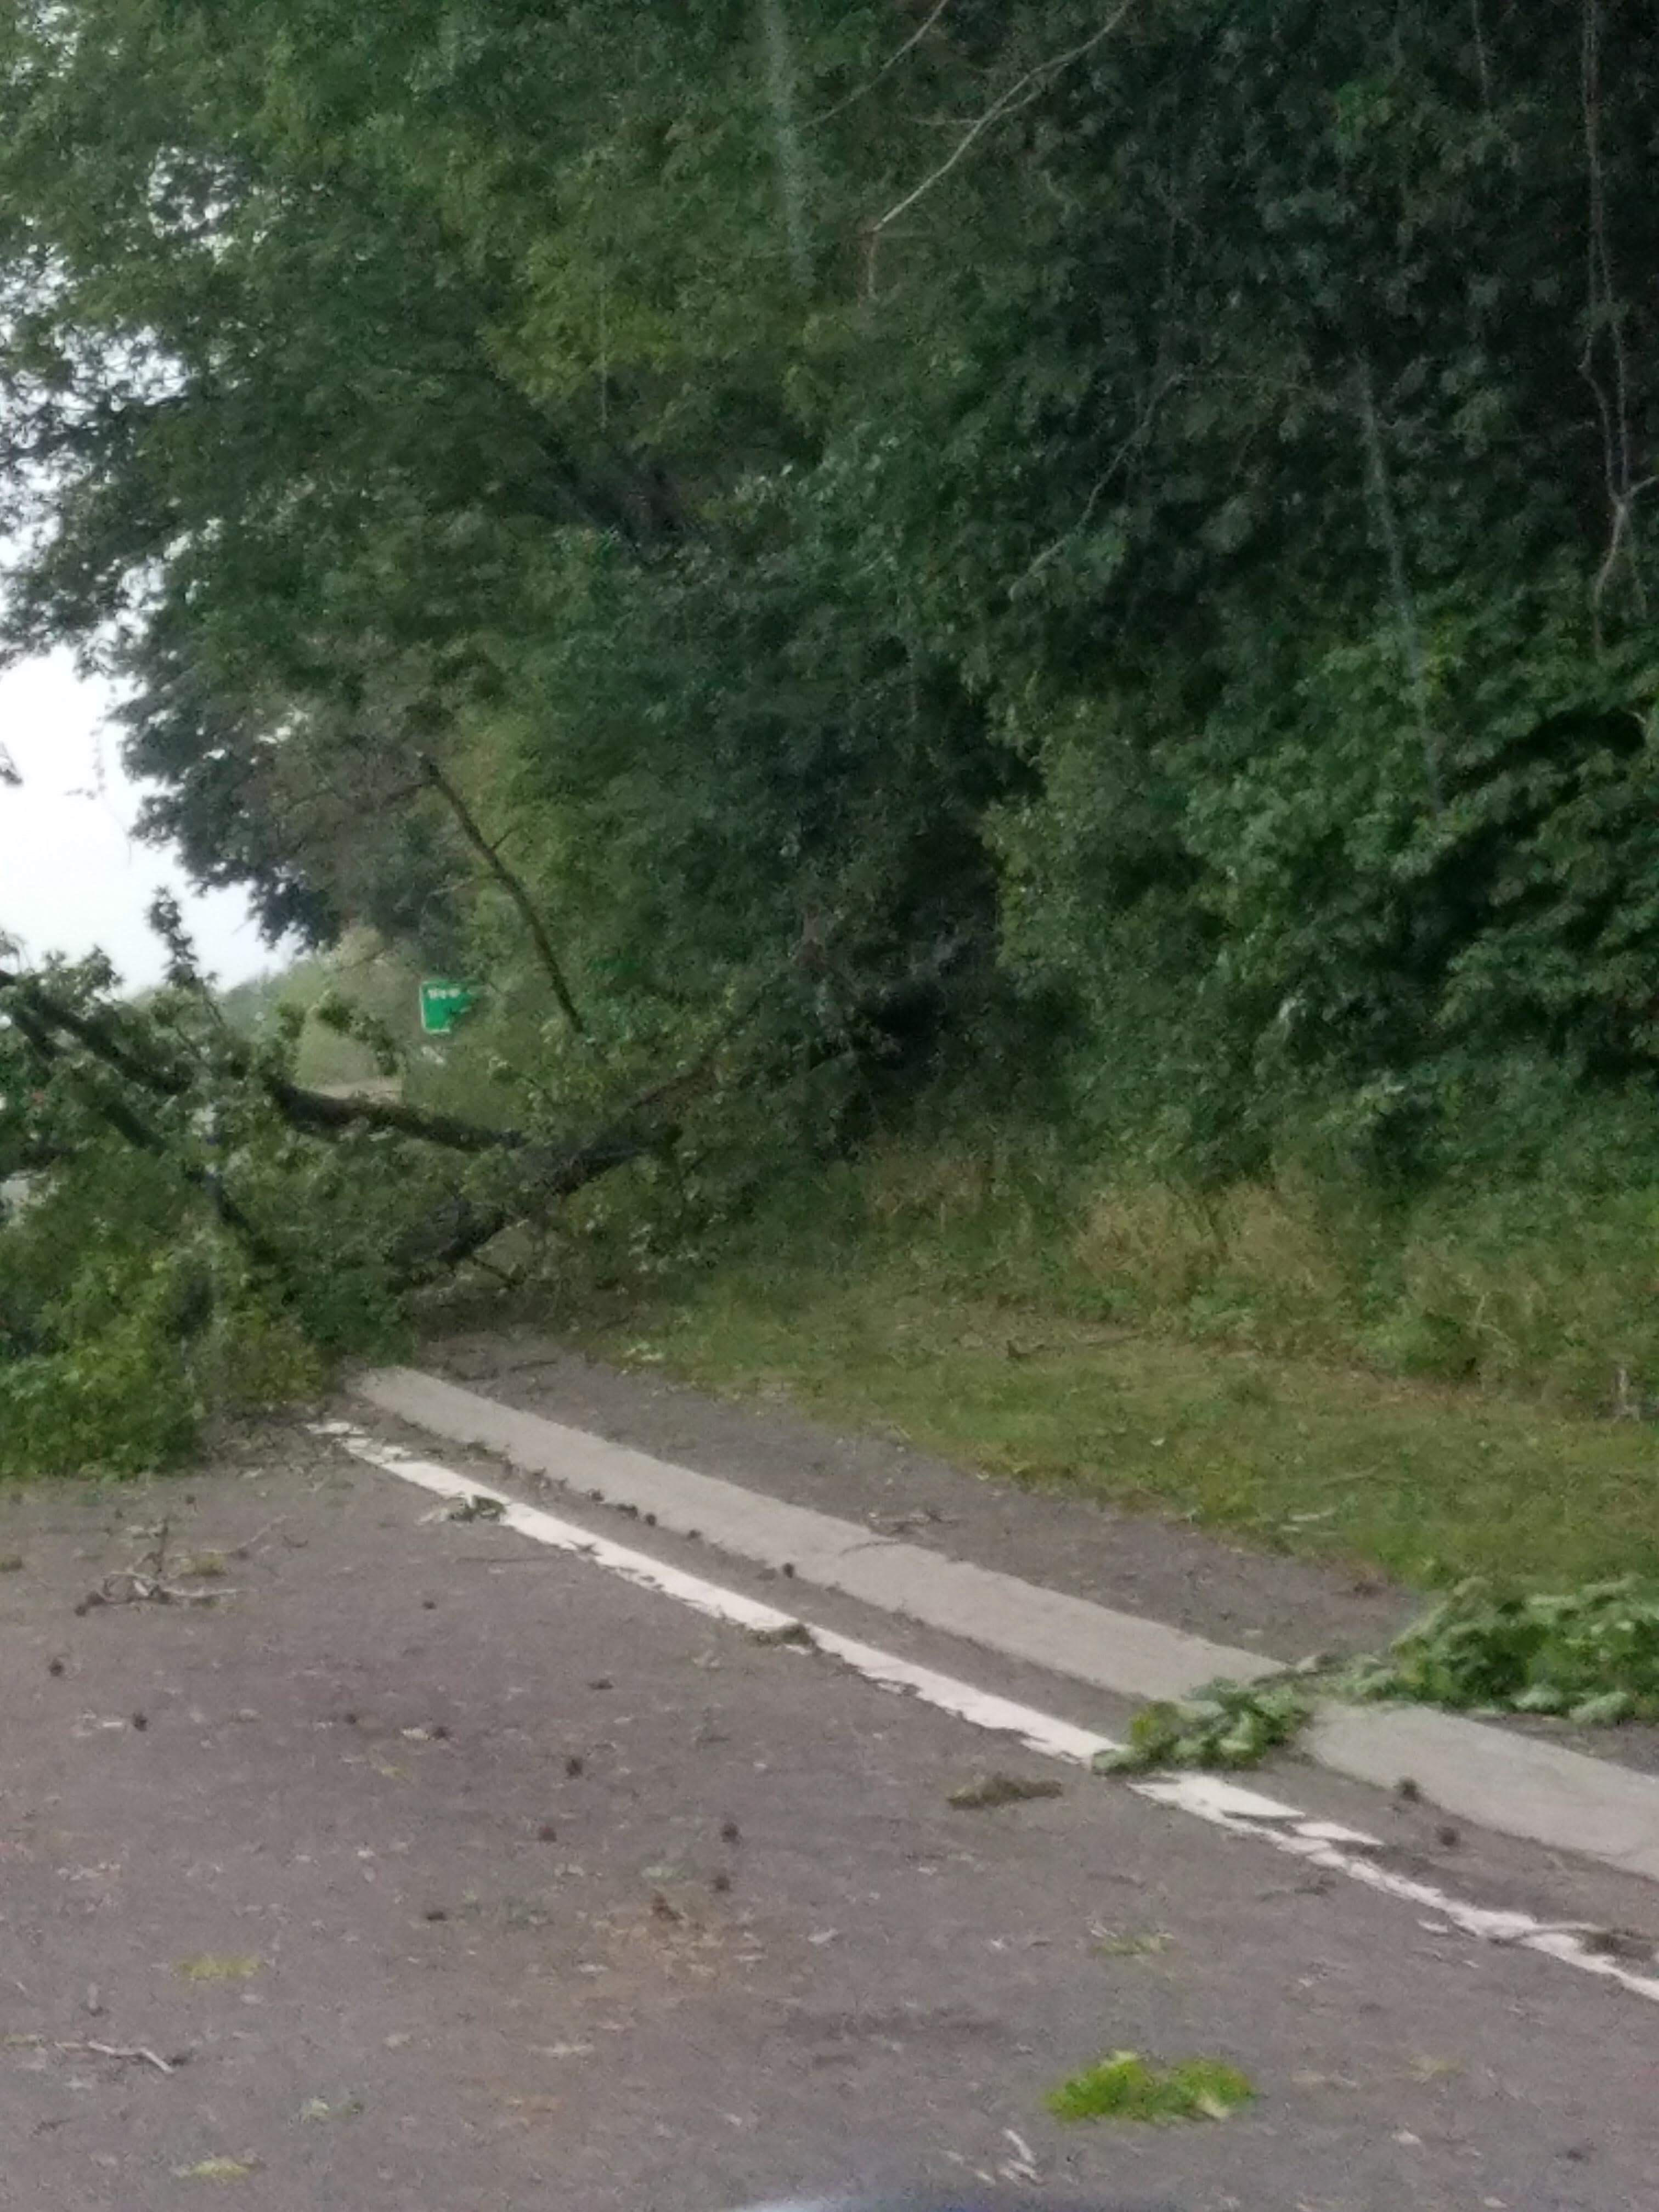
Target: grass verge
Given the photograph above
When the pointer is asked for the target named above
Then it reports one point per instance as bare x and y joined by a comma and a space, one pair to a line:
944, 1329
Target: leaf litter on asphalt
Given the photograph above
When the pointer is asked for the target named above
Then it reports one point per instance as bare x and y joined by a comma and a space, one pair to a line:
1130, 1942
316, 2109
987, 1791
212, 1967
475, 1508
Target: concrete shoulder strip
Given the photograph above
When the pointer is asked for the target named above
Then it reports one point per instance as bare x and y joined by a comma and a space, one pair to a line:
1494, 1777
1114, 1651
1499, 1779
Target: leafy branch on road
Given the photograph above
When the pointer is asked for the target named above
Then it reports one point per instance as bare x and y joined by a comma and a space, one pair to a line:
201, 1229
1127, 2087
1590, 1655
1225, 1724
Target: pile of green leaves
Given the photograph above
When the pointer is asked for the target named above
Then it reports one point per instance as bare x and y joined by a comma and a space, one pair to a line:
1225, 1724
1588, 1655
131, 1320
1127, 2087
140, 1391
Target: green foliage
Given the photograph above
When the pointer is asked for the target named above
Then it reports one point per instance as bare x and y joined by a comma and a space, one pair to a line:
176, 1254
977, 1288
1135, 602
148, 1349
1205, 537
1591, 1655
1225, 1724
1127, 2087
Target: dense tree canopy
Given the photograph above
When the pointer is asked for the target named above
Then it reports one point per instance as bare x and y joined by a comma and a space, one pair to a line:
1140, 516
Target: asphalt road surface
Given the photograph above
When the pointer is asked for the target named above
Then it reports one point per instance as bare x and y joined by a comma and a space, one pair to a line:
430, 1871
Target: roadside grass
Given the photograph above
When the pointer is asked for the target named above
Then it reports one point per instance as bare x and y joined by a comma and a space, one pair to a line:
994, 1346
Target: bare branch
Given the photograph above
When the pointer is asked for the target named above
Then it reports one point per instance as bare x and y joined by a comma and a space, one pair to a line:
1602, 310
137, 2052
1411, 642
319, 1114
1482, 64
891, 62
1018, 94
513, 886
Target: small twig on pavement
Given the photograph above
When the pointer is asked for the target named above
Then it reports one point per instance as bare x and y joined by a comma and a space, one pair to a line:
245, 1549
124, 2051
129, 1586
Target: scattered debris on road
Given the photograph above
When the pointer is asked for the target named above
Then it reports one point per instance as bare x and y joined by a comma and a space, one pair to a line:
211, 1966
476, 1507
146, 1582
788, 1632
987, 1791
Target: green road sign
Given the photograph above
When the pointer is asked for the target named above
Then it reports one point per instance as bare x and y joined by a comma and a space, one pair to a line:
443, 1004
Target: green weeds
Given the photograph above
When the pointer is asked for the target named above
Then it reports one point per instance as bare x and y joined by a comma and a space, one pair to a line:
946, 1303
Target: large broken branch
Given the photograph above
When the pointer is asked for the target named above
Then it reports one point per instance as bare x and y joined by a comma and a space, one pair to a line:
136, 1132
318, 1113
314, 1111
552, 967
536, 1173
95, 1031
463, 1225
647, 1124
544, 1172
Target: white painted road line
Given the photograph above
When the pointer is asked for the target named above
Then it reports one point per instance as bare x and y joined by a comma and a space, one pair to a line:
1121, 1652
1327, 1845
1494, 1777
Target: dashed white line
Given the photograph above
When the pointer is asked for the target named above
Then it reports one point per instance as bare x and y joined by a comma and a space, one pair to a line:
1327, 1845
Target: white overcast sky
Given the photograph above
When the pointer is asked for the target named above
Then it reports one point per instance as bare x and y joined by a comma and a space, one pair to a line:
72, 875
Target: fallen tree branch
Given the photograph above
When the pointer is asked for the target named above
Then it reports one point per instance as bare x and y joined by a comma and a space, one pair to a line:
138, 1133
464, 1226
37, 1010
136, 2053
96, 1032
319, 1114
513, 886
537, 1172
